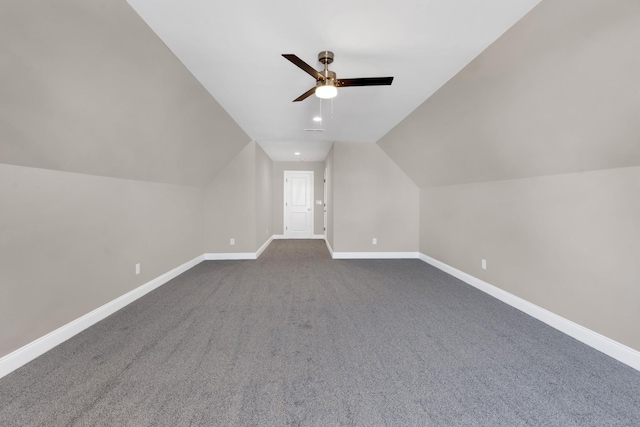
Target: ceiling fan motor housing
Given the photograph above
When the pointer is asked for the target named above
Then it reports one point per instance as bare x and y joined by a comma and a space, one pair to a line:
325, 57
329, 77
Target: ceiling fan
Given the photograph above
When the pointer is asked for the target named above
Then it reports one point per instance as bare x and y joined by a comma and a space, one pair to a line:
326, 82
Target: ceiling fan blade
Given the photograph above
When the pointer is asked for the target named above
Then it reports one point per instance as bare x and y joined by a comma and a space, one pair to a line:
304, 66
306, 94
365, 81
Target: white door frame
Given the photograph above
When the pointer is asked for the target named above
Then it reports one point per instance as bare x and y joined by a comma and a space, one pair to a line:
324, 202
311, 206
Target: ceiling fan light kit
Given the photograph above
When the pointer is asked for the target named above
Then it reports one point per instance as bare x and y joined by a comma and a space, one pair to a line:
326, 82
326, 91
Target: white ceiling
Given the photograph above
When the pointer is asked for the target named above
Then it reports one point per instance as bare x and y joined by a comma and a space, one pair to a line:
234, 49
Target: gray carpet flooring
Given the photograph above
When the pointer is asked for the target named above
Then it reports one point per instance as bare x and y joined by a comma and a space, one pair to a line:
298, 339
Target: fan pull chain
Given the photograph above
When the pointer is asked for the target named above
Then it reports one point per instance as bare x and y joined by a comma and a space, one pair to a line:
331, 108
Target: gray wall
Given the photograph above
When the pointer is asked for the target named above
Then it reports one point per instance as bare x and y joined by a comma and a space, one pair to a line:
372, 197
278, 193
69, 244
529, 158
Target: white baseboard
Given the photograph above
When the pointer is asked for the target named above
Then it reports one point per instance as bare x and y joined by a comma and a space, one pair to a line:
282, 236
612, 348
374, 255
329, 247
238, 255
229, 256
24, 355
263, 247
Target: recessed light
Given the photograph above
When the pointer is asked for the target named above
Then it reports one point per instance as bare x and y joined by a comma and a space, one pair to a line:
296, 154
317, 119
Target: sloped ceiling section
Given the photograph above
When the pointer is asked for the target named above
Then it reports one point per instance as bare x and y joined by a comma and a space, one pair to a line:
87, 87
557, 93
234, 48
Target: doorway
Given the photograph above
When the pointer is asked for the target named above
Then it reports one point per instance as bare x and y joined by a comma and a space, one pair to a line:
298, 204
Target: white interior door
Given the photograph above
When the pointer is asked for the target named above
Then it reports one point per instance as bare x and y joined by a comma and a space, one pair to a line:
298, 198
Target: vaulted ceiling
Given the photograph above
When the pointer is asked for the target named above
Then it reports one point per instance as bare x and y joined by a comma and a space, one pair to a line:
89, 87
234, 49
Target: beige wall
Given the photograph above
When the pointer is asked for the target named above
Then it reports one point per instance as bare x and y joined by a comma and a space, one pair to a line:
237, 204
88, 87
230, 206
69, 244
264, 197
328, 164
112, 141
372, 197
529, 159
568, 243
278, 193
557, 93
